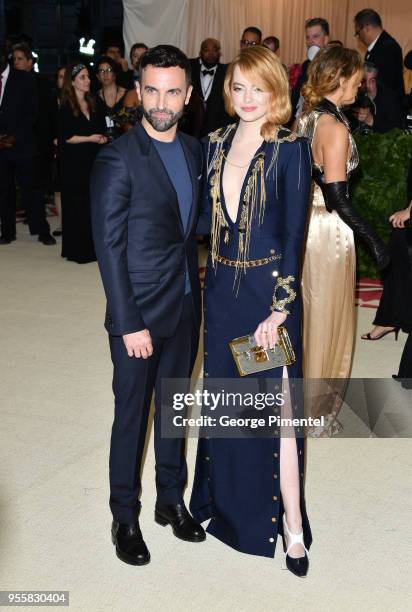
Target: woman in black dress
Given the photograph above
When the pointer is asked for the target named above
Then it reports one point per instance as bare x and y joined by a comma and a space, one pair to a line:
110, 96
81, 133
395, 306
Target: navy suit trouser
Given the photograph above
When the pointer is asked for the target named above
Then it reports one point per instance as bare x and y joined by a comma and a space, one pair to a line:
134, 380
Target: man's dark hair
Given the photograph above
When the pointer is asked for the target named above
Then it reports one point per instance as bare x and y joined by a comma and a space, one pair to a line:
368, 17
116, 45
138, 46
25, 49
254, 30
318, 21
165, 56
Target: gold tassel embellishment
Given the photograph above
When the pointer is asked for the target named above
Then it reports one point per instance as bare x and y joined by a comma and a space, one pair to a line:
283, 283
254, 201
218, 218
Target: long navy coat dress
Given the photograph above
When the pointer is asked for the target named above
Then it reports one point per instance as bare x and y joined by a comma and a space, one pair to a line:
237, 481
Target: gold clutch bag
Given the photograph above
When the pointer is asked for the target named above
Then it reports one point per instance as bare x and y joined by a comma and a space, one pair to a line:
251, 358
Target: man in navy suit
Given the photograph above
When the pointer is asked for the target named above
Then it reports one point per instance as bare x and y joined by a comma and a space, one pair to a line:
145, 188
383, 50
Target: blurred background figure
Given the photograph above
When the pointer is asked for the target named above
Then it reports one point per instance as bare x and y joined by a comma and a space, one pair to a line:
131, 112
272, 43
125, 77
81, 133
317, 37
56, 158
377, 108
383, 50
251, 36
136, 53
39, 177
110, 96
208, 76
395, 307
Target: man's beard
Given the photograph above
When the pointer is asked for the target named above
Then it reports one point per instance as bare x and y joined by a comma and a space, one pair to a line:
162, 125
209, 64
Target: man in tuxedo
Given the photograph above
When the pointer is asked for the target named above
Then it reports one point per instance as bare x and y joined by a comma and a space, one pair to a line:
208, 76
383, 50
145, 188
18, 115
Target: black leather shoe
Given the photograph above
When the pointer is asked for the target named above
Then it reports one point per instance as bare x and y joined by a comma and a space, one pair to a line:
46, 239
57, 232
4, 240
130, 546
183, 524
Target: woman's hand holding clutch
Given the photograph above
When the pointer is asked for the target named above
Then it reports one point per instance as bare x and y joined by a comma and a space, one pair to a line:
266, 334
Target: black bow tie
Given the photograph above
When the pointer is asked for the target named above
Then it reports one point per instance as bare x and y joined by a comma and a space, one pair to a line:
205, 72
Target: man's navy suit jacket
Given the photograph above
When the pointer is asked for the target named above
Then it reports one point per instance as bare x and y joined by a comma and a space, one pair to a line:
141, 247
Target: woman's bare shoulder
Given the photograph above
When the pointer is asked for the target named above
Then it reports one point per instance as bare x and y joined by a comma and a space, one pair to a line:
329, 127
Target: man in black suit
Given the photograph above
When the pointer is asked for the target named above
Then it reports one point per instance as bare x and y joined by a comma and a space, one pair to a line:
18, 114
383, 50
208, 76
145, 188
43, 132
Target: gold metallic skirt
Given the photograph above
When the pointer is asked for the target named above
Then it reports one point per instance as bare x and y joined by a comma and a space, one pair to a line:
328, 292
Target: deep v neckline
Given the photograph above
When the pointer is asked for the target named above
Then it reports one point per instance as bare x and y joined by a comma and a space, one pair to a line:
243, 187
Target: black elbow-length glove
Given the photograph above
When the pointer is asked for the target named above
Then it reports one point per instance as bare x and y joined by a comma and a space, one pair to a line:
337, 198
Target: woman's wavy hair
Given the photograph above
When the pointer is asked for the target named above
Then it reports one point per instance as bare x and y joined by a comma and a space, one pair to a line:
68, 95
264, 69
325, 71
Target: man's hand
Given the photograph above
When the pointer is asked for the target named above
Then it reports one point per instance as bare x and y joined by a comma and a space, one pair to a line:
266, 334
363, 115
139, 344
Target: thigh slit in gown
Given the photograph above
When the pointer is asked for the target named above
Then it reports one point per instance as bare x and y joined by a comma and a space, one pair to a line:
237, 480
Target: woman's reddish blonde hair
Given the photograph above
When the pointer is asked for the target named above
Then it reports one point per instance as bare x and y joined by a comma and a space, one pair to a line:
264, 69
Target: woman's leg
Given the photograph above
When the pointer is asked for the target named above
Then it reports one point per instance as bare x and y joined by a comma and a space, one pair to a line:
289, 474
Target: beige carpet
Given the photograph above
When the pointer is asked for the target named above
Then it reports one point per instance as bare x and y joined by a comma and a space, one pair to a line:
56, 413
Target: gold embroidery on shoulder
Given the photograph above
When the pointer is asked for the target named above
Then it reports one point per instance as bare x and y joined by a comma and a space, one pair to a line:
282, 134
221, 133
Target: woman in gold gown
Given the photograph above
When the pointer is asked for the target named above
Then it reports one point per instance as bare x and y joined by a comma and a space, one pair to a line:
328, 277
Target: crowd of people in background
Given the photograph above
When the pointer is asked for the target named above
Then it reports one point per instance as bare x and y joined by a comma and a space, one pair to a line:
51, 133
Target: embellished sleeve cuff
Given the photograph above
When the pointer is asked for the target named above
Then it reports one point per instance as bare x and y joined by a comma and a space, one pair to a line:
279, 305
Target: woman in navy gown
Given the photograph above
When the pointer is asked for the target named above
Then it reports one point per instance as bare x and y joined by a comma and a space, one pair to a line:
258, 182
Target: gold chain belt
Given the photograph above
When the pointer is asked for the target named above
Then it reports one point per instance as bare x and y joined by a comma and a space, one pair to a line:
253, 263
